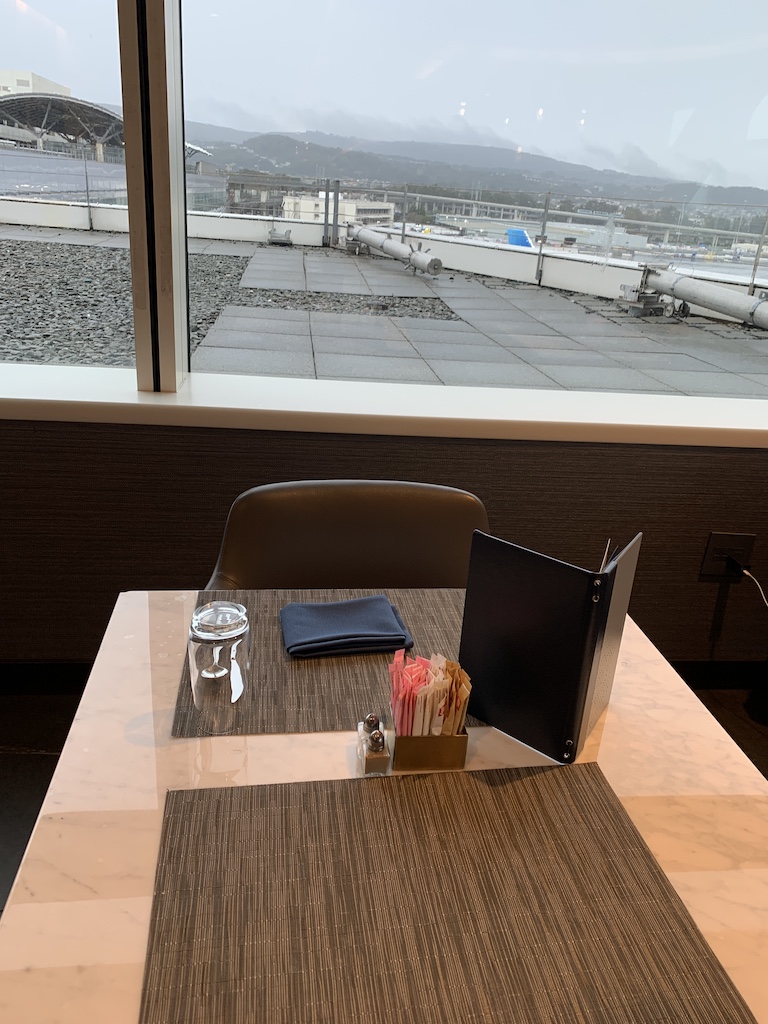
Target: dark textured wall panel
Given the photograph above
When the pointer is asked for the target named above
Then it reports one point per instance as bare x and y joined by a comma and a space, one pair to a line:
93, 509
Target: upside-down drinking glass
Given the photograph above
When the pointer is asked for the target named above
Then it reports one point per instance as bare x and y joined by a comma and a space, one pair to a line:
219, 655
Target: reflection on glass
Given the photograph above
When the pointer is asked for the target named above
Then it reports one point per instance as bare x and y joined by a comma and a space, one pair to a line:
510, 155
467, 126
62, 188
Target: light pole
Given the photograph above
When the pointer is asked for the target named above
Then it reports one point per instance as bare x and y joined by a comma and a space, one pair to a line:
741, 218
680, 219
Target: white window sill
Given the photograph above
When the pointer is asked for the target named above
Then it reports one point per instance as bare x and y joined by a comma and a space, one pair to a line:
103, 395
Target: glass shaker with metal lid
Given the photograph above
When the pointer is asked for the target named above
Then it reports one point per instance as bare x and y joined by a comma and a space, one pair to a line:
219, 655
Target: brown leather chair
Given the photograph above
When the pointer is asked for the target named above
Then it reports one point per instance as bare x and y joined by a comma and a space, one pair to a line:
348, 533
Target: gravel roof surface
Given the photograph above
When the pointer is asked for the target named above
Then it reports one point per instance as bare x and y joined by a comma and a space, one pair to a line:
71, 304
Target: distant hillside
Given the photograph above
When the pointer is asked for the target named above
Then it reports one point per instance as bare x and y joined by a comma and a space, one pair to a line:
201, 133
523, 171
551, 173
488, 158
495, 168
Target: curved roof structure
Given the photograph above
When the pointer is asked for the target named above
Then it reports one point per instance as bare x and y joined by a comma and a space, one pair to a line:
70, 118
48, 114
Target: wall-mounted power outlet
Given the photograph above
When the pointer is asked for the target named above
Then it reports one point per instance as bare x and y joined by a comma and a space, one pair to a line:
724, 550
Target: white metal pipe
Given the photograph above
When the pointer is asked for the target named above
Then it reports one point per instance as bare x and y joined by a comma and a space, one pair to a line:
748, 308
384, 243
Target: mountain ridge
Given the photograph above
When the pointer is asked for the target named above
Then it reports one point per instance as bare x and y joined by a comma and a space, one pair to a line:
455, 165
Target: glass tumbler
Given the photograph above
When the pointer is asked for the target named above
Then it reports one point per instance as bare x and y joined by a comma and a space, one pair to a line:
219, 655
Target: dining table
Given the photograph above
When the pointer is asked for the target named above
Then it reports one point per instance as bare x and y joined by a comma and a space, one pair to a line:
82, 917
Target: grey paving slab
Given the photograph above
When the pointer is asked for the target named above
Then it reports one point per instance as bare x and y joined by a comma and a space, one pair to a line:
220, 338
425, 323
535, 341
253, 361
318, 316
465, 337
726, 332
512, 318
387, 380
460, 281
260, 325
558, 317
278, 255
661, 361
498, 326
588, 378
535, 306
401, 283
267, 313
361, 327
695, 350
563, 357
449, 292
15, 232
347, 278
399, 291
474, 353
758, 378
221, 247
275, 269
119, 242
333, 366
727, 394
287, 284
282, 259
471, 307
591, 328
710, 383
344, 289
674, 332
756, 343
353, 326
737, 362
317, 280
350, 345
514, 375
630, 343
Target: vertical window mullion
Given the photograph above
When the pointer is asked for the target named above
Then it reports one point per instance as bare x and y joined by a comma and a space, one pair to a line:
150, 54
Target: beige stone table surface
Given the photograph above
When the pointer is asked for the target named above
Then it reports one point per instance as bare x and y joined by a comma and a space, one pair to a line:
74, 932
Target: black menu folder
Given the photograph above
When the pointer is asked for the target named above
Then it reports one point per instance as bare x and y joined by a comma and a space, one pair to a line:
540, 641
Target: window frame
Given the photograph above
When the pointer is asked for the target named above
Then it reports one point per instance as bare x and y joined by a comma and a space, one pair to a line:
162, 390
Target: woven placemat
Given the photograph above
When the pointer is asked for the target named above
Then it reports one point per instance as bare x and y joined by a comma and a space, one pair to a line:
502, 896
327, 694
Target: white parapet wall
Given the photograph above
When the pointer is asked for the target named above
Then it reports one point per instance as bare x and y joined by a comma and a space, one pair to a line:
105, 217
509, 262
574, 272
245, 228
593, 276
45, 213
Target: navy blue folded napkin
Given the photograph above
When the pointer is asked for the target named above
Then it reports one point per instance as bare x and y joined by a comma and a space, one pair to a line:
366, 625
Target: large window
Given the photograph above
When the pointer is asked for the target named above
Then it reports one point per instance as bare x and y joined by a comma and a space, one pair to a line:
544, 171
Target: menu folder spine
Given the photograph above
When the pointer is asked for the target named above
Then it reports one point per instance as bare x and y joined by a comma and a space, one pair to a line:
598, 599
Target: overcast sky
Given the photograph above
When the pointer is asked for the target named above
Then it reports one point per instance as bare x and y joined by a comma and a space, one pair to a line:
663, 86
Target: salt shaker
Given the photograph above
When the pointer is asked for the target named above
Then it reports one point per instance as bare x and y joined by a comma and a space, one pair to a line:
376, 758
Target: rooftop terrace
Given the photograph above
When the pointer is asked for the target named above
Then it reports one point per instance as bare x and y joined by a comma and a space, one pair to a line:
328, 314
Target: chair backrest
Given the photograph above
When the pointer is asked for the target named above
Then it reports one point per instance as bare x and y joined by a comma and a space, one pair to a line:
348, 533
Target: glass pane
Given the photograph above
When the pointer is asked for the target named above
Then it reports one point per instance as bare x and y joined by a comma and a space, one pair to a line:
544, 171
65, 287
